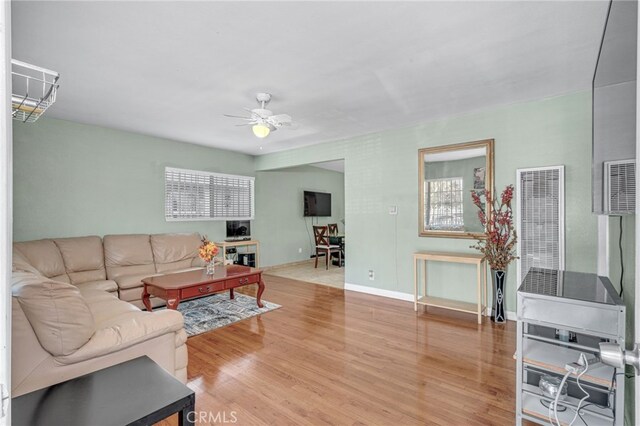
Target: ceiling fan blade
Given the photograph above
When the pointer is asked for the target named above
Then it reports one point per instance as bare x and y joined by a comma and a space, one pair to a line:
244, 124
280, 120
238, 116
252, 112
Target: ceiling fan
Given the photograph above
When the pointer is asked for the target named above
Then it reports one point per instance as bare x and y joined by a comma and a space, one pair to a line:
262, 121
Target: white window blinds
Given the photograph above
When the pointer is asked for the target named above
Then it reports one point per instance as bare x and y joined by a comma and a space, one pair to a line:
445, 202
540, 212
197, 195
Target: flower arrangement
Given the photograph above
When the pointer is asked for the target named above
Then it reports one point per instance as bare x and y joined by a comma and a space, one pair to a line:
207, 250
499, 247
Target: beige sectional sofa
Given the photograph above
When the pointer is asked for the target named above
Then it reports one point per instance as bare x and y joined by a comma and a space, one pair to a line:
115, 263
76, 306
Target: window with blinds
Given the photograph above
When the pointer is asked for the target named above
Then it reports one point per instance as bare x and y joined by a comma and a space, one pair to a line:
445, 202
197, 195
540, 212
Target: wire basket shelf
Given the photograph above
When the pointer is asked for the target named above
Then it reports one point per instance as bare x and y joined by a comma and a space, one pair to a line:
34, 90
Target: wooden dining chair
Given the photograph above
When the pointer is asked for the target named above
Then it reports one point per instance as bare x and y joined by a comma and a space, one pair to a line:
323, 246
333, 229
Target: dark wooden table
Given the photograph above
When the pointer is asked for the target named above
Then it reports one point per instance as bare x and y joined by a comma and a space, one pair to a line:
173, 288
136, 392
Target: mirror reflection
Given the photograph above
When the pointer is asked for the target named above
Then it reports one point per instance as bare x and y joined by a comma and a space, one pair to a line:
448, 176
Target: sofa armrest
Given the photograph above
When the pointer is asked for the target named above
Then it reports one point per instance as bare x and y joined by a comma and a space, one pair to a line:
129, 329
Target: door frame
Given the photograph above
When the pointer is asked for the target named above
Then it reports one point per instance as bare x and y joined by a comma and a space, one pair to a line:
6, 210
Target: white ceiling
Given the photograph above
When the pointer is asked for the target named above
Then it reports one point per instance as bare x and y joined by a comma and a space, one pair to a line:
340, 69
336, 166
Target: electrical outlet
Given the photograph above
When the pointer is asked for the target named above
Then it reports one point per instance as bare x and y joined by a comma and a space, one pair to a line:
300, 250
372, 275
393, 210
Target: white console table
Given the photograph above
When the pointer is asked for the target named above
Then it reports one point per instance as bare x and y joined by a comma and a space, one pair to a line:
422, 257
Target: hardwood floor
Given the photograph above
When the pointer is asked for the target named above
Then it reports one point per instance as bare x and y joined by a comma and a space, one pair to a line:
344, 358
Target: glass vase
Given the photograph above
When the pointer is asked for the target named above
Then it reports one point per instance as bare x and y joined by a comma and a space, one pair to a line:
211, 268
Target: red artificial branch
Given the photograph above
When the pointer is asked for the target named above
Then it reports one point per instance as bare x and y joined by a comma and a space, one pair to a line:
499, 246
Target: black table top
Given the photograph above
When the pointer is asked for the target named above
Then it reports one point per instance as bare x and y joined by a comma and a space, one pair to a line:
119, 395
571, 285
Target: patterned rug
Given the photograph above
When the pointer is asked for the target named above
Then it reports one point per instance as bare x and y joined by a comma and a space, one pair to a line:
211, 312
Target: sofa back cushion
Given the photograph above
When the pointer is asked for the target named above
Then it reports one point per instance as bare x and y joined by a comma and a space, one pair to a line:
45, 257
83, 258
57, 312
174, 251
21, 264
128, 255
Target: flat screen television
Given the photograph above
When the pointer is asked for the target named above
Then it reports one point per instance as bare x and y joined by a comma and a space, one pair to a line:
238, 229
317, 203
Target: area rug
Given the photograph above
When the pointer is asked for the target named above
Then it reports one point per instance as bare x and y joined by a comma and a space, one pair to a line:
211, 312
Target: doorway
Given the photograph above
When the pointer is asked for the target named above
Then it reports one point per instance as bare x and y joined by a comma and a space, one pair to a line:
283, 208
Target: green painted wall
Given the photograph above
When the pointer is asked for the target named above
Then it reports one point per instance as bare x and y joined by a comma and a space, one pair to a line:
381, 170
628, 282
72, 179
283, 228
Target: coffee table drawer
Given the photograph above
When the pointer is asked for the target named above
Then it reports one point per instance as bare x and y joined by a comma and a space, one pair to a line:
202, 290
237, 282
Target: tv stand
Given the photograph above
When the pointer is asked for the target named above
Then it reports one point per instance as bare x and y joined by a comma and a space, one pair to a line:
226, 245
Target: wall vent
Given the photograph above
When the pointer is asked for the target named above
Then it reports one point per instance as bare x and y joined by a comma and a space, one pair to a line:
540, 218
620, 186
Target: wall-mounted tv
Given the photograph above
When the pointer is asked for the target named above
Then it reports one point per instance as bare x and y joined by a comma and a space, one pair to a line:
317, 203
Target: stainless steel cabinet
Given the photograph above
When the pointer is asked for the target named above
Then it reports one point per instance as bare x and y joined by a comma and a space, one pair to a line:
562, 314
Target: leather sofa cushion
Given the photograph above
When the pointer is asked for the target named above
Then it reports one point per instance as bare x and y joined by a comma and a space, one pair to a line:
106, 307
132, 281
126, 330
83, 258
45, 257
127, 255
85, 276
164, 268
172, 248
127, 250
131, 294
21, 264
103, 285
57, 312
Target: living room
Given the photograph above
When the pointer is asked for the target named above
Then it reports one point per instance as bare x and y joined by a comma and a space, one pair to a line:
357, 102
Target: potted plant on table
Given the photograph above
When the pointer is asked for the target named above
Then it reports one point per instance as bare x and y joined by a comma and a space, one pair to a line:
208, 252
499, 246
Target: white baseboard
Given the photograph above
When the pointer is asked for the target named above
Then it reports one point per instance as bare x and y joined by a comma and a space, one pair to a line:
511, 316
379, 292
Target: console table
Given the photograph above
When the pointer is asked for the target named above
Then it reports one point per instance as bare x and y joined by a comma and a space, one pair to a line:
422, 257
136, 392
224, 245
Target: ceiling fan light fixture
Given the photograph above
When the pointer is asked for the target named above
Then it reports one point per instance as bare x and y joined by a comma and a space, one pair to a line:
261, 130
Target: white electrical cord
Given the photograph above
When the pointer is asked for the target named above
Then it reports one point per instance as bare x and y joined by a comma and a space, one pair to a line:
553, 407
586, 367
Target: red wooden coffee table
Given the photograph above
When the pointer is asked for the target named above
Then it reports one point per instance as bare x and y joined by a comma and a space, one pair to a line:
174, 288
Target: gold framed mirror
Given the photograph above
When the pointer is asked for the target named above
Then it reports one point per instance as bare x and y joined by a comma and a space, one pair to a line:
447, 175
